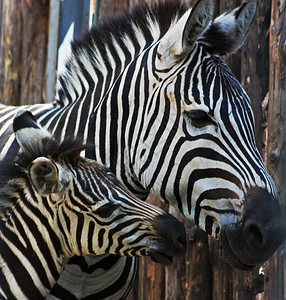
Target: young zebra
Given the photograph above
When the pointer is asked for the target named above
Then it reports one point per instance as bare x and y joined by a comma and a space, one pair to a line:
55, 204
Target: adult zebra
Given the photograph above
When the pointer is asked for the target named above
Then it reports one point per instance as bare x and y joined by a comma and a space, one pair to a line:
150, 90
55, 204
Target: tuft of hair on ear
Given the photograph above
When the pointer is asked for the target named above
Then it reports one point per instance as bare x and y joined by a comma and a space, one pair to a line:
72, 154
217, 40
68, 150
227, 32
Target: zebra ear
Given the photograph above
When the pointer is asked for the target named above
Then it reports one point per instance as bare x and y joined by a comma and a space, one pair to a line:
227, 32
44, 175
180, 39
27, 130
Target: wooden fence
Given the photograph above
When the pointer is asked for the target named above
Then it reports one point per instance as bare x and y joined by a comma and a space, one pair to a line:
260, 65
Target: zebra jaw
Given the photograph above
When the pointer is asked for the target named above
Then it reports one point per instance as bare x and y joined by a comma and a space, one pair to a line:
161, 258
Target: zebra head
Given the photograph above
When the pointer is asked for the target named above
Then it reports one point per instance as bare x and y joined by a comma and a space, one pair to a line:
200, 125
86, 207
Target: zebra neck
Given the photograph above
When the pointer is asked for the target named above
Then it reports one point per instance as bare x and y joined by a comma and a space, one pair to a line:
100, 57
29, 263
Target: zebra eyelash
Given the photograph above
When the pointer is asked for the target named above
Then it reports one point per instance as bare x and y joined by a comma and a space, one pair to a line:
199, 118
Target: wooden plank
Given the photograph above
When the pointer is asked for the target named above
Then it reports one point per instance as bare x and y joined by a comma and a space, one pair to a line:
34, 50
275, 275
255, 68
151, 275
23, 49
111, 7
198, 266
10, 52
175, 275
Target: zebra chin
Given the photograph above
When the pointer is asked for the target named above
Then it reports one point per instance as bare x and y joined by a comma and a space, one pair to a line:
164, 255
257, 236
164, 251
161, 258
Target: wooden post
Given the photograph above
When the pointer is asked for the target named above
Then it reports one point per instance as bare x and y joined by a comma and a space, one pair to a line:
275, 272
152, 274
11, 52
34, 50
198, 265
23, 48
111, 7
175, 275
255, 68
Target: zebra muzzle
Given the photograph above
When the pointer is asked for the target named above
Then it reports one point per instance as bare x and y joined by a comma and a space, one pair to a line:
258, 235
171, 239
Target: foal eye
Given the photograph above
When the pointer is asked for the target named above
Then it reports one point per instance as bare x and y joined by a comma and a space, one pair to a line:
106, 210
199, 118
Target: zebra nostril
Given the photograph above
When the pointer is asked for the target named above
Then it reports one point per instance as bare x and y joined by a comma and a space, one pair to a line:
253, 235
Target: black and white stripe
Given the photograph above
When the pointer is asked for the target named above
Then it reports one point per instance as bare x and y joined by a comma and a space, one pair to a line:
56, 205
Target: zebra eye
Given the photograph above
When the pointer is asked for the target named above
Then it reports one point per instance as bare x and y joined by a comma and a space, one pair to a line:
106, 210
199, 118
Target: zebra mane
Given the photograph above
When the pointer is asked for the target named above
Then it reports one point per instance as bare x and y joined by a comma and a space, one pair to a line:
114, 37
13, 169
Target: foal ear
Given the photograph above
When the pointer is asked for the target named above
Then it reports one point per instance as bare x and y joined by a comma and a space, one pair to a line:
180, 39
44, 175
27, 130
227, 32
